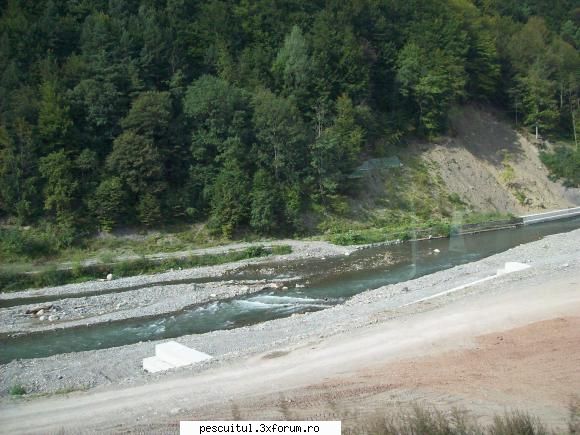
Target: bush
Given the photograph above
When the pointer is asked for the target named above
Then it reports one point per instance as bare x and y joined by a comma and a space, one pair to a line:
21, 244
564, 163
17, 390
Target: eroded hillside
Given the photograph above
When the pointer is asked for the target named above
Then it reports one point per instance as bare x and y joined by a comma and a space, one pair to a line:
494, 168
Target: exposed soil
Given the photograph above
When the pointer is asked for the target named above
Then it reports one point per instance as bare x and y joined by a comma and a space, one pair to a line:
494, 168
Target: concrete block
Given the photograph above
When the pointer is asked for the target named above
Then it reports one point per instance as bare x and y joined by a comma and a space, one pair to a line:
154, 365
513, 266
179, 355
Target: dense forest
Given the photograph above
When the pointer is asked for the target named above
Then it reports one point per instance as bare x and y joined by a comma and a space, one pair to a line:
246, 114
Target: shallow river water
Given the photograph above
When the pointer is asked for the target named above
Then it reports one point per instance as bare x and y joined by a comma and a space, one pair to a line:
331, 282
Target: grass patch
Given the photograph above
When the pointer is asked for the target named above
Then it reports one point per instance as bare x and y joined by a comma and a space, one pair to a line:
281, 249
17, 390
443, 227
425, 421
13, 281
432, 422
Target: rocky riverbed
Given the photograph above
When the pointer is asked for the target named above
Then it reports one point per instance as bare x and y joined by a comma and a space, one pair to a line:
122, 365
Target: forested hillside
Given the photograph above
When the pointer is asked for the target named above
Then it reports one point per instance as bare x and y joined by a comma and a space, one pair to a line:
249, 113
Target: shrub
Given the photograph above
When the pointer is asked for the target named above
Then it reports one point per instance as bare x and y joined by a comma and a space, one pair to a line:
564, 163
17, 390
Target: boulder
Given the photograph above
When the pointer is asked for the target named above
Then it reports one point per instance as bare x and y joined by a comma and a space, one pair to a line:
37, 310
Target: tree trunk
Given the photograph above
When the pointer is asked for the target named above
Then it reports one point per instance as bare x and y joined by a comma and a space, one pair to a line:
537, 135
574, 129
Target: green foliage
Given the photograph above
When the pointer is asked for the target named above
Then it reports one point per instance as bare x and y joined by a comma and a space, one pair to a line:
17, 390
13, 281
292, 66
112, 110
61, 186
564, 163
149, 210
336, 152
281, 249
229, 200
109, 203
18, 172
54, 123
18, 244
263, 208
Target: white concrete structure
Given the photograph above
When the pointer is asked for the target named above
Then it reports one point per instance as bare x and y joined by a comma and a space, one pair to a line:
171, 355
154, 365
551, 216
512, 267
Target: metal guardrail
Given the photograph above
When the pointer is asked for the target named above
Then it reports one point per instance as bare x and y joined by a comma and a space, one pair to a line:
550, 216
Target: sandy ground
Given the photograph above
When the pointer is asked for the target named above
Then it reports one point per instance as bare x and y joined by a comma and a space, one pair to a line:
473, 163
515, 344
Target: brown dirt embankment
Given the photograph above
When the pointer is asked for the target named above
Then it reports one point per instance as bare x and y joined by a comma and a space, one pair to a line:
492, 167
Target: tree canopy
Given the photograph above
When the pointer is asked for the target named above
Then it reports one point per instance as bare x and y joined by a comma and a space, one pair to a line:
245, 114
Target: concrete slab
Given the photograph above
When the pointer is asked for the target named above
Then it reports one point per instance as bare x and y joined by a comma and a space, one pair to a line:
171, 355
154, 365
179, 355
512, 266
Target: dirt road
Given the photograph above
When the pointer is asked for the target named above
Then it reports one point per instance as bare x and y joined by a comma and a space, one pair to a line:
517, 348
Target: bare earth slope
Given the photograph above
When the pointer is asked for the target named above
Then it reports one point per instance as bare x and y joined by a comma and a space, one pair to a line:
494, 168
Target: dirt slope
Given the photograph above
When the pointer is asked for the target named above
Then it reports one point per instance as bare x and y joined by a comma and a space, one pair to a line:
494, 168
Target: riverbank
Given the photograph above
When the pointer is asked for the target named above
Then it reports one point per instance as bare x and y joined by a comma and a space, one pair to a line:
84, 370
142, 296
305, 366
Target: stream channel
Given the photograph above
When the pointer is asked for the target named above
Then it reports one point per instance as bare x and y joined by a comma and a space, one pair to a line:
330, 282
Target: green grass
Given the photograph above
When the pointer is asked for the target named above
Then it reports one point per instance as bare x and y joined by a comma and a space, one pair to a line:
281, 249
13, 281
42, 245
17, 390
443, 227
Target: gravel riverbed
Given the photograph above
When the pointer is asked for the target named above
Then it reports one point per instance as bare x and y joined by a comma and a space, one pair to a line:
122, 365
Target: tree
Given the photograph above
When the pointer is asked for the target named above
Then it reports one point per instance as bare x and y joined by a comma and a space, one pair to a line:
280, 135
335, 153
432, 81
229, 200
137, 161
18, 172
219, 116
109, 203
54, 123
61, 187
292, 66
149, 116
263, 217
339, 63
149, 210
539, 104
